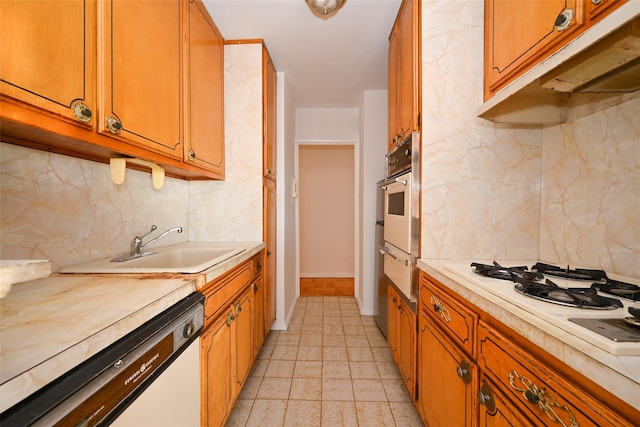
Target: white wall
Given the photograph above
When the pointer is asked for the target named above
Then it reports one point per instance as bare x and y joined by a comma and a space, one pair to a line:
286, 258
374, 131
330, 124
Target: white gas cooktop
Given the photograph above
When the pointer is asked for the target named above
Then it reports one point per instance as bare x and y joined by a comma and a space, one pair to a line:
557, 315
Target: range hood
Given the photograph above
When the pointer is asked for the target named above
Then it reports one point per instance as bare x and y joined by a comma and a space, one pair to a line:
599, 69
612, 65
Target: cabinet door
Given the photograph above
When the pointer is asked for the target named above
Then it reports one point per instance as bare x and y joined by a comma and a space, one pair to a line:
140, 81
447, 380
408, 84
520, 33
392, 321
598, 9
258, 316
216, 367
269, 231
48, 54
243, 338
204, 141
498, 411
407, 346
394, 81
270, 80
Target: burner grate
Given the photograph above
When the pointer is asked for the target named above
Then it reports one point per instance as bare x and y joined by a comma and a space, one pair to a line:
572, 297
497, 271
619, 289
568, 273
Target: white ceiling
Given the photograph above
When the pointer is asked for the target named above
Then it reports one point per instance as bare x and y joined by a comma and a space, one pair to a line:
327, 63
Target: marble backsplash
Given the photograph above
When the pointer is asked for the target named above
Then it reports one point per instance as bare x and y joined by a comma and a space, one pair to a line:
567, 194
69, 211
590, 191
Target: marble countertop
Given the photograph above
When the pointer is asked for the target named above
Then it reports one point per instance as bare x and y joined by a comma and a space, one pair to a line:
49, 326
619, 374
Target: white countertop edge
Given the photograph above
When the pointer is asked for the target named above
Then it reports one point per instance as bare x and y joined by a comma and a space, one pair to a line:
252, 248
618, 374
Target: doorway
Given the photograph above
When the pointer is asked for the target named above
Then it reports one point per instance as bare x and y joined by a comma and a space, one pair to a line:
326, 213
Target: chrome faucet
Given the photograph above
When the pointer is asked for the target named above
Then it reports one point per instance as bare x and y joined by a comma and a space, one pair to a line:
137, 246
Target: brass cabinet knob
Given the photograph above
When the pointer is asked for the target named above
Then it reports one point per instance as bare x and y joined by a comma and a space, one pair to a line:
463, 370
81, 111
113, 125
192, 155
564, 20
485, 398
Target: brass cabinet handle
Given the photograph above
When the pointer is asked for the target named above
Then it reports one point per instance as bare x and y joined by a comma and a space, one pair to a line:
438, 307
81, 111
485, 397
539, 397
230, 318
596, 2
192, 155
113, 125
564, 20
255, 288
238, 309
463, 370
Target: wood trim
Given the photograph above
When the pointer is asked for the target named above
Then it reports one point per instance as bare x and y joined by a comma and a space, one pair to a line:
326, 286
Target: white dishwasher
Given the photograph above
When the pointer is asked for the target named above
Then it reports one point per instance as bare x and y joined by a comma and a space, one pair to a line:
150, 377
172, 400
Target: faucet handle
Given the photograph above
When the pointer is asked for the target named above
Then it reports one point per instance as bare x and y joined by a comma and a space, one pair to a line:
142, 236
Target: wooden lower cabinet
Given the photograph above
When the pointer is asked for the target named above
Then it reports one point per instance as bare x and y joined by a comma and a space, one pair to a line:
216, 367
234, 317
473, 370
401, 337
447, 380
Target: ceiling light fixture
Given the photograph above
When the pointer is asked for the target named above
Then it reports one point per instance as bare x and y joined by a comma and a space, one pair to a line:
325, 9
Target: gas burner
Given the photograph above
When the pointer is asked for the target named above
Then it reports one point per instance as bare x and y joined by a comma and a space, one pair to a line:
572, 297
567, 273
497, 271
619, 289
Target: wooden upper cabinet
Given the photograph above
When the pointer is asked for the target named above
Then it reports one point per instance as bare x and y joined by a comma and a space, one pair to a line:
48, 54
404, 74
394, 90
204, 138
269, 115
140, 73
409, 59
519, 34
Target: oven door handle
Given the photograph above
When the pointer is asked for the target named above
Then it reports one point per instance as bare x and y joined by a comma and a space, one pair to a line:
388, 182
385, 251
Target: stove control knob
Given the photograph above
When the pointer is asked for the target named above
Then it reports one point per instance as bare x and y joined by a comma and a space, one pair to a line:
407, 152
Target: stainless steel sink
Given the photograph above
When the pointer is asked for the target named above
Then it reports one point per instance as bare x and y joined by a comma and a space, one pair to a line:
184, 259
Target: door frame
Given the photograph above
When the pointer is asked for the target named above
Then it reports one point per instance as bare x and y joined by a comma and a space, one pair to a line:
356, 210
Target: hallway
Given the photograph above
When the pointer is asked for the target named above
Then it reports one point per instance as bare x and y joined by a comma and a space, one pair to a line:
331, 368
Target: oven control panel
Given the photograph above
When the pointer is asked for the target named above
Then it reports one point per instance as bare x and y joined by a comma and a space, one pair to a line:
399, 160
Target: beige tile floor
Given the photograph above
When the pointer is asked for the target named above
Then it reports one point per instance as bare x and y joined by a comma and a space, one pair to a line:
331, 368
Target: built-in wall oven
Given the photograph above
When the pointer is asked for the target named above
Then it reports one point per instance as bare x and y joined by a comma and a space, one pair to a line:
150, 377
402, 216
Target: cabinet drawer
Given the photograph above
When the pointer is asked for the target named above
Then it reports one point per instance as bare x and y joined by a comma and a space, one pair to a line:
456, 320
538, 391
219, 292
